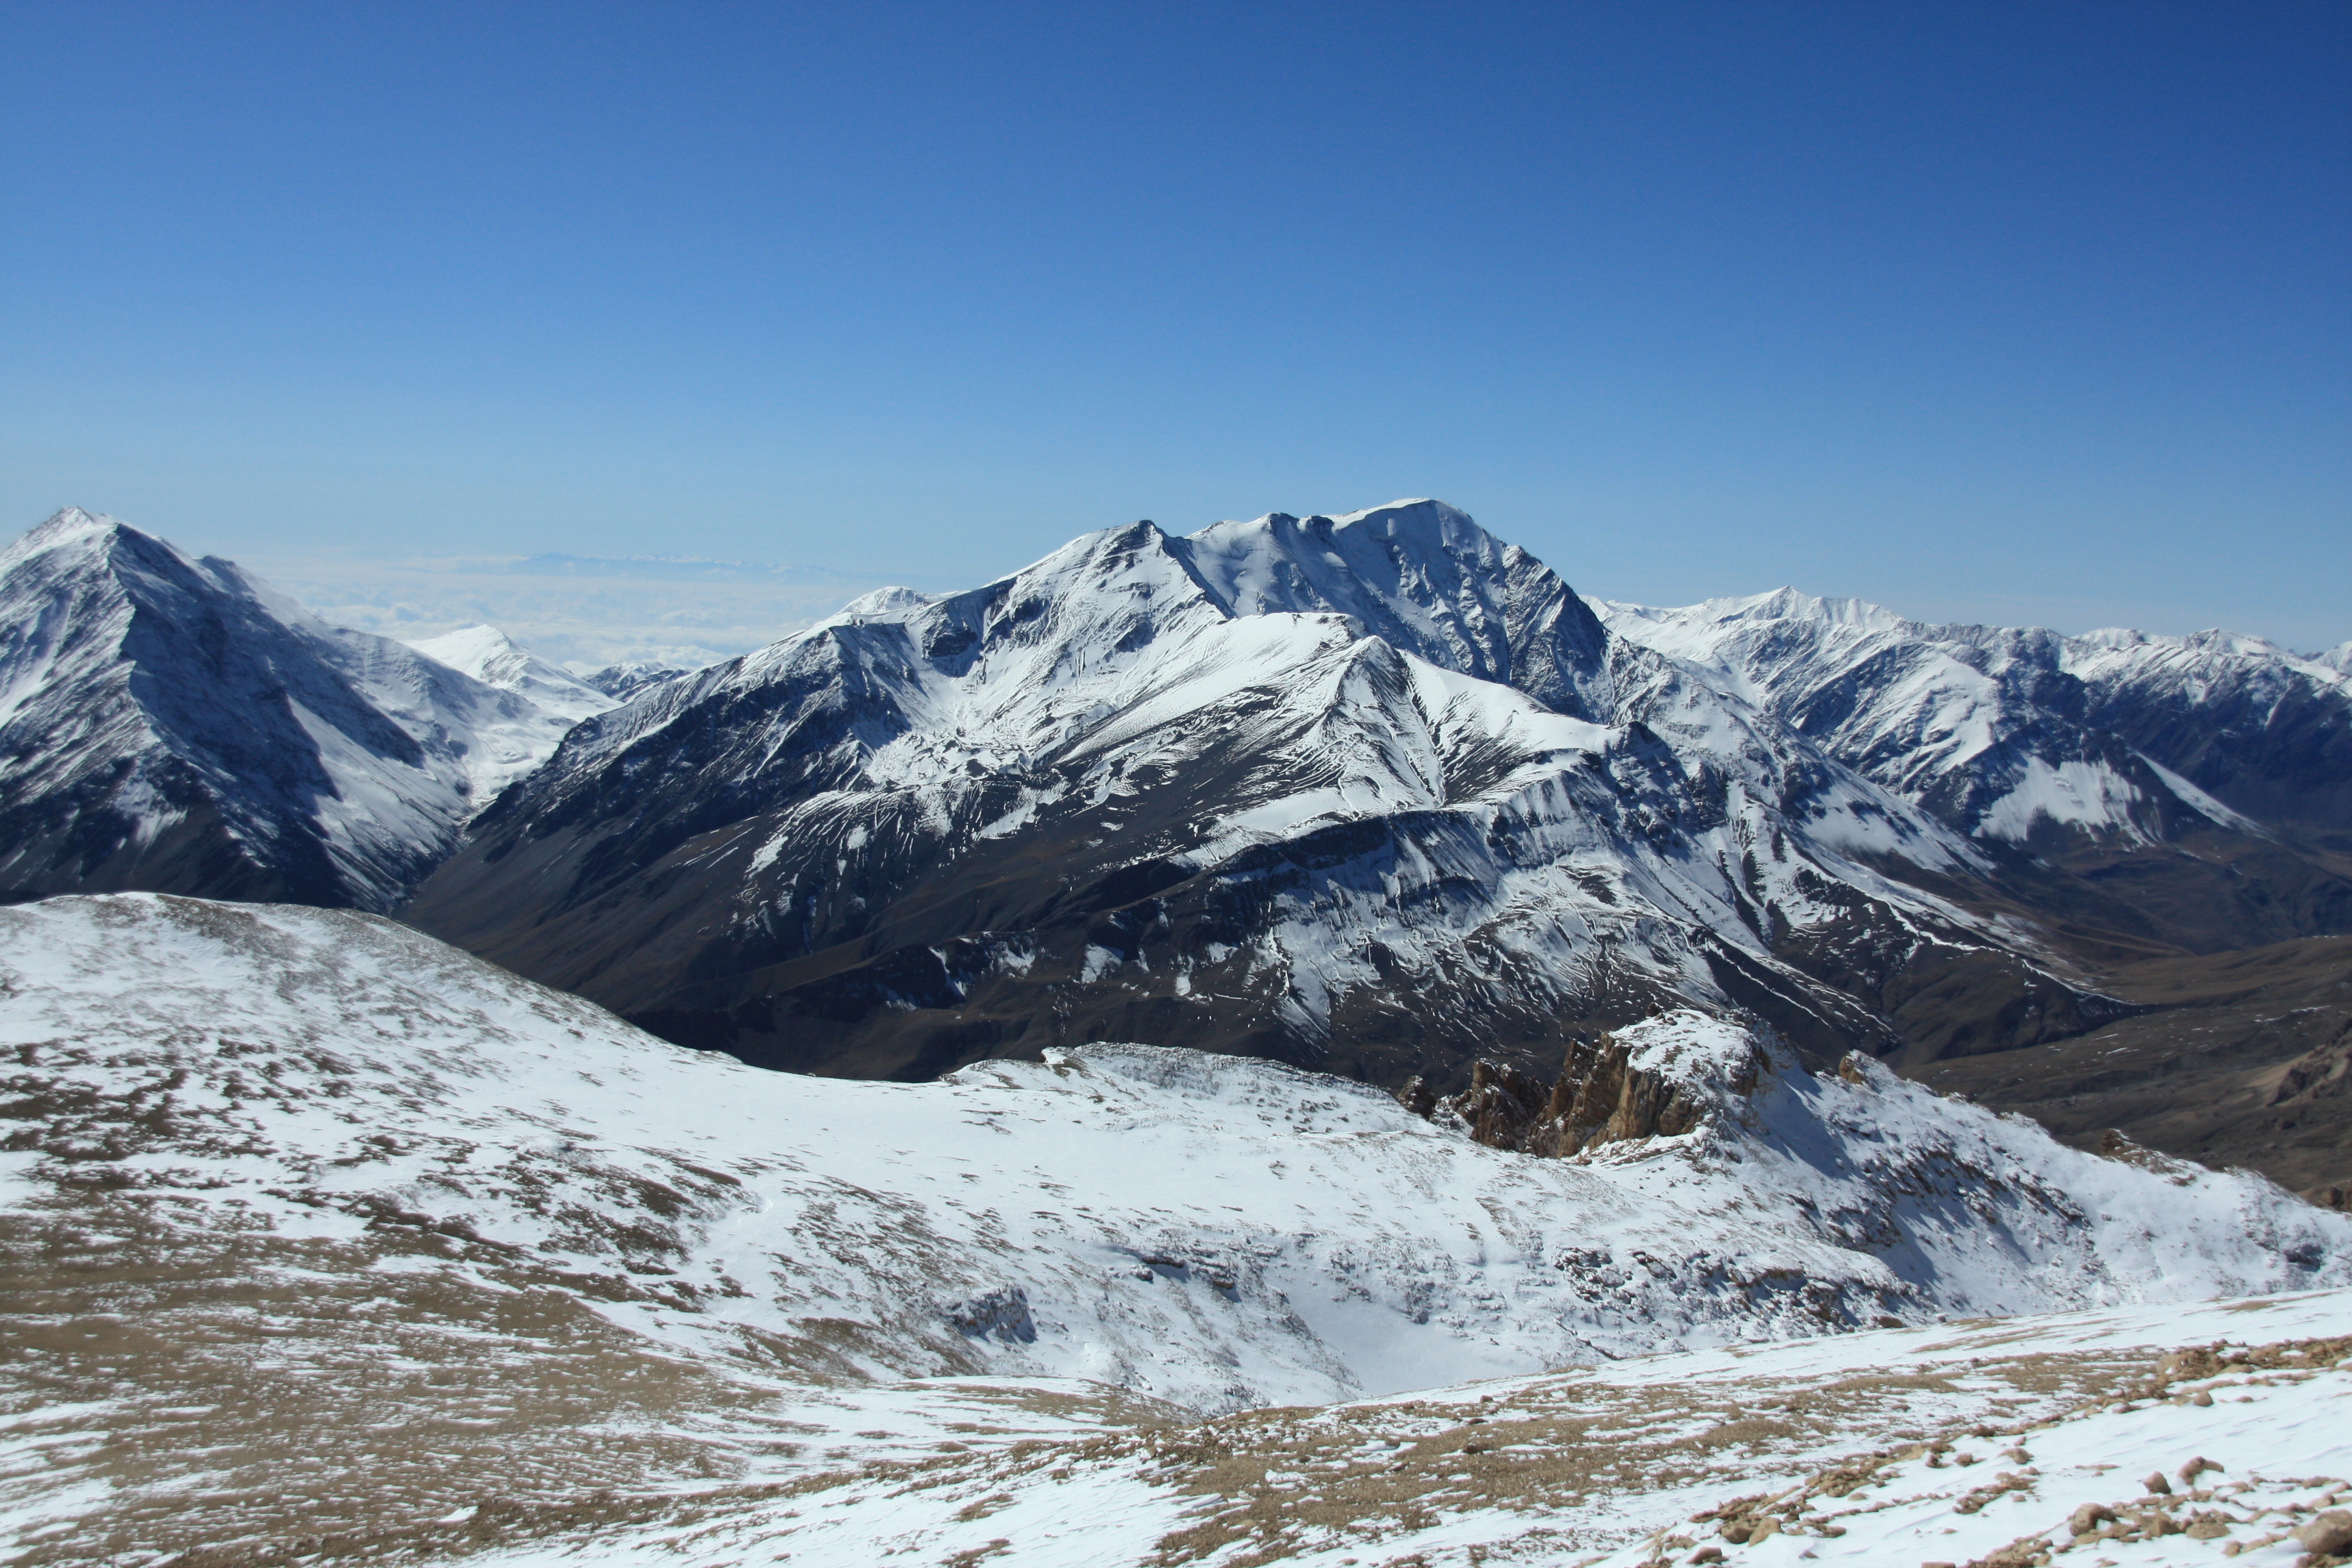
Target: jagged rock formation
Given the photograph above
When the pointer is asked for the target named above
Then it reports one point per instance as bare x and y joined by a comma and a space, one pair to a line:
1618, 1087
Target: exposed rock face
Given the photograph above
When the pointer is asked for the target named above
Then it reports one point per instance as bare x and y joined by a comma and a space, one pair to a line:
1619, 1088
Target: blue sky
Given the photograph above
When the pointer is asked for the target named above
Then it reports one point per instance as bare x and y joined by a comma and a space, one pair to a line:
2024, 313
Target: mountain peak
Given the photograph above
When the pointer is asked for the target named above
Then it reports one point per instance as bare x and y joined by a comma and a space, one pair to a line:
469, 649
494, 659
1425, 576
65, 528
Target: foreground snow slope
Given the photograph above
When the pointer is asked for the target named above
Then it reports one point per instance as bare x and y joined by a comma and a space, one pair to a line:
1214, 1231
1977, 1445
314, 1226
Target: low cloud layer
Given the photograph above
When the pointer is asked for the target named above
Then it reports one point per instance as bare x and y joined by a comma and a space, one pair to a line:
581, 611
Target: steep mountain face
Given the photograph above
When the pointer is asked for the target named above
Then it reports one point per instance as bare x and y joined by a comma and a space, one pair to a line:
2184, 792
318, 1231
2264, 731
492, 657
627, 682
173, 724
1330, 791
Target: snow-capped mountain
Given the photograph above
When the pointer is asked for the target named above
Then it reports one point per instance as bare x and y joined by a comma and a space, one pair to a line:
2080, 751
173, 723
318, 1228
492, 657
1375, 793
2008, 734
627, 682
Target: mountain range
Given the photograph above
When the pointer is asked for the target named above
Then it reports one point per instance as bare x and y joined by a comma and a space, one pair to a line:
1374, 793
1317, 1042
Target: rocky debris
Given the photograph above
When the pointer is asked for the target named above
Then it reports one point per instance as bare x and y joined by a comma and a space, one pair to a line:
1001, 1314
2329, 1535
2025, 1552
2001, 1486
2088, 1518
1743, 1522
2115, 1146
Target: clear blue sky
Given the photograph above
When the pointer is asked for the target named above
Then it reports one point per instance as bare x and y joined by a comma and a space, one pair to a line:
2020, 312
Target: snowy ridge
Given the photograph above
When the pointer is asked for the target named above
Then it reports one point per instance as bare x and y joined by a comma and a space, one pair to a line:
1216, 1231
2007, 733
626, 682
492, 657
175, 722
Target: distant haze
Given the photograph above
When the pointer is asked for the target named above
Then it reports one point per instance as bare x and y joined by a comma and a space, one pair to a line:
582, 611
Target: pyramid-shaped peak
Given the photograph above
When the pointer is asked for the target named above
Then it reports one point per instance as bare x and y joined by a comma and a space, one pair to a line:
66, 526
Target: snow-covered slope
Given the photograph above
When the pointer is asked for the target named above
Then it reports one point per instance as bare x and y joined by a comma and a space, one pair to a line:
273, 1166
492, 657
174, 724
2029, 736
1986, 1444
1214, 1230
1329, 791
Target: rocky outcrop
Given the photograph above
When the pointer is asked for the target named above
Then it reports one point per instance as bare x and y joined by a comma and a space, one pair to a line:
1630, 1084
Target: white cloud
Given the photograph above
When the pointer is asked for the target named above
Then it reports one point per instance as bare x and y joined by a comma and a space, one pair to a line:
582, 611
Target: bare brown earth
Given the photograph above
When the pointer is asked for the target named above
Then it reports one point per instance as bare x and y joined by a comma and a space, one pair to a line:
555, 1438
174, 1388
2243, 1059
